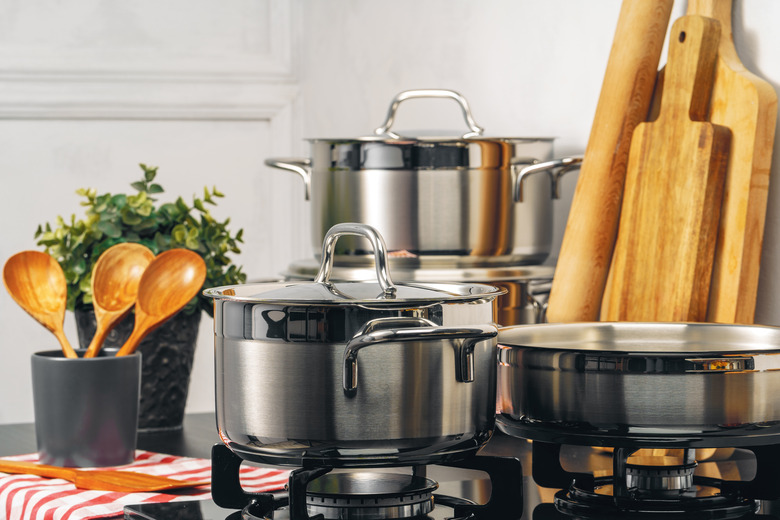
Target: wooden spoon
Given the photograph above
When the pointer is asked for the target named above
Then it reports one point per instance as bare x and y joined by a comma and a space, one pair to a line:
36, 282
102, 480
171, 280
115, 282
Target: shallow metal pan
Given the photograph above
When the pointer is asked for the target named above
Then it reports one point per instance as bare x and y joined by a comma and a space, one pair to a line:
640, 384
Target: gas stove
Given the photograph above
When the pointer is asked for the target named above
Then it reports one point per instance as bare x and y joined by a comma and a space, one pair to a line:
561, 482
323, 493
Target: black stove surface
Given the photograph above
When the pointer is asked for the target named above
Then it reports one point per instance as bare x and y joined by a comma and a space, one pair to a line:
537, 501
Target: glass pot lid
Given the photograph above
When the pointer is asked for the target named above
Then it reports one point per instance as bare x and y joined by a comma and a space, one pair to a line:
383, 292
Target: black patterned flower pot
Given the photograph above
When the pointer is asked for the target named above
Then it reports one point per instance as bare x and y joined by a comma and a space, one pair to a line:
167, 352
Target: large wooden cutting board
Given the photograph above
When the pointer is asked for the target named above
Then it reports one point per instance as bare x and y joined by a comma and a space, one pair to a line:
747, 105
662, 262
626, 92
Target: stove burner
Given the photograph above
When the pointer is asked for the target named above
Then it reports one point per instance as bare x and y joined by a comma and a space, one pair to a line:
365, 495
656, 476
701, 502
370, 496
641, 487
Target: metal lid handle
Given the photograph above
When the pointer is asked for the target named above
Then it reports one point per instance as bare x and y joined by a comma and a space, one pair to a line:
380, 254
429, 93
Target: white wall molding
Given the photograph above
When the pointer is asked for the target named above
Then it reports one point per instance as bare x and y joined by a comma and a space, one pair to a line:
131, 98
249, 78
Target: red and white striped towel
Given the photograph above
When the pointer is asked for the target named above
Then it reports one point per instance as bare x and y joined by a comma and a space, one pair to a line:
27, 497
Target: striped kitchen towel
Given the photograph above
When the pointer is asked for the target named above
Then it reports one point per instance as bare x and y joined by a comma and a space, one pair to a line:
27, 497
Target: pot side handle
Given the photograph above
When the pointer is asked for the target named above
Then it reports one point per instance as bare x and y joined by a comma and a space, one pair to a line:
405, 329
299, 166
555, 169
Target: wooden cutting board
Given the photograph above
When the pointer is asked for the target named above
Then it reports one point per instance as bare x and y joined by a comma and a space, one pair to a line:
747, 105
664, 252
626, 92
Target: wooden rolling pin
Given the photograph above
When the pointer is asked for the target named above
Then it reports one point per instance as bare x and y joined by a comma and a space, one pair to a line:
586, 251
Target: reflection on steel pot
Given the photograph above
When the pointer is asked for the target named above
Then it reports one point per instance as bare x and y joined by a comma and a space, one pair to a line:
450, 197
640, 384
354, 373
524, 302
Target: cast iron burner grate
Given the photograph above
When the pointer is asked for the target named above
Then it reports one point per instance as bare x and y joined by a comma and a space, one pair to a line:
636, 491
313, 493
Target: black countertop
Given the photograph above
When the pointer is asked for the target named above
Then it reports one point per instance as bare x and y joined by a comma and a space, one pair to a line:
194, 439
199, 434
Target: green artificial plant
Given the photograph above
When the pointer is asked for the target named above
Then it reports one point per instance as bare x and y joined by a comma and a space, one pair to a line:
111, 219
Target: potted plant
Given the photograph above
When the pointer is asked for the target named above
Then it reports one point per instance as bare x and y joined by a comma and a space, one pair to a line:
113, 218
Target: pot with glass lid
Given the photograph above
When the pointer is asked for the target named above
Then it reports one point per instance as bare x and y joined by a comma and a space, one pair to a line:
354, 373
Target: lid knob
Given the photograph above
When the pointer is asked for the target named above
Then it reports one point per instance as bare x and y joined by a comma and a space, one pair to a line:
380, 254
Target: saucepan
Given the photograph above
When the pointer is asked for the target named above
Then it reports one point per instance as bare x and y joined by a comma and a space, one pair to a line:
354, 373
467, 198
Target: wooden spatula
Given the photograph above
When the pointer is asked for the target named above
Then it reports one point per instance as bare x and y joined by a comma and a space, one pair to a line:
747, 105
103, 480
586, 251
662, 262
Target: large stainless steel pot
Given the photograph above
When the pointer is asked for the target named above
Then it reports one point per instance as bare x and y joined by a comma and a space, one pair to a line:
640, 384
354, 373
524, 302
442, 199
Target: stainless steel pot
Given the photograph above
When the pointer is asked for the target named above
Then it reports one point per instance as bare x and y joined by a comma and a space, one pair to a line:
524, 302
640, 384
354, 373
444, 198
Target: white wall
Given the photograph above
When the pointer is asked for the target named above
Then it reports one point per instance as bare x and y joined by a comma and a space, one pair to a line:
208, 90
89, 89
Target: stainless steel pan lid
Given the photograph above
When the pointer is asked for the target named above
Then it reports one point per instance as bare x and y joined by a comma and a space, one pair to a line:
382, 293
384, 132
640, 384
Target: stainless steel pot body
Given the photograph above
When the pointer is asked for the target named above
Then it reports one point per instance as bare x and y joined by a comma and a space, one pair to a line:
280, 397
430, 210
443, 198
640, 384
354, 373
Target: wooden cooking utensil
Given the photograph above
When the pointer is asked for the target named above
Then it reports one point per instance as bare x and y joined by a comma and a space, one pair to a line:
36, 282
171, 280
103, 480
586, 251
747, 105
662, 262
115, 281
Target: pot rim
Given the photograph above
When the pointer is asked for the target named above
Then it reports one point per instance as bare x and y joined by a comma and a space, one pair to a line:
615, 338
446, 293
411, 140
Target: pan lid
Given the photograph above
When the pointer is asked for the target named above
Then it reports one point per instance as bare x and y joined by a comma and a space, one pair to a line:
382, 293
369, 293
447, 139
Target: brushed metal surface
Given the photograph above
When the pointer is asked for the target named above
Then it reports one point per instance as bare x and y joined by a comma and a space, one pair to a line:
285, 400
279, 383
641, 379
429, 210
